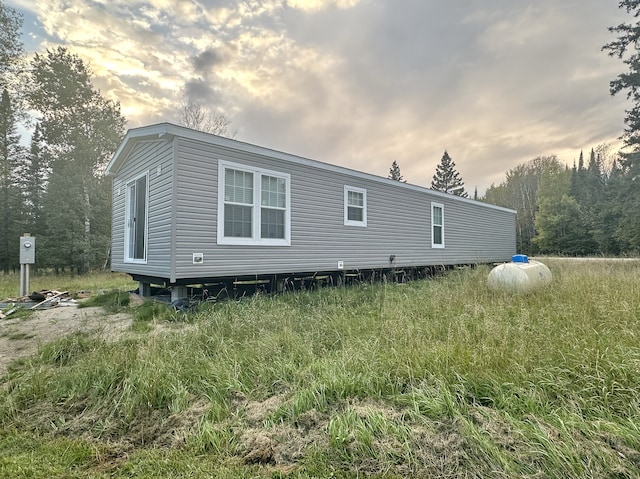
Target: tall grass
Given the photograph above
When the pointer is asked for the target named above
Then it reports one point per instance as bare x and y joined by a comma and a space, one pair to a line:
439, 377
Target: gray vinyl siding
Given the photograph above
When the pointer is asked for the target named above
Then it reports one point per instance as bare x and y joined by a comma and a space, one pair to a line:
398, 221
146, 157
117, 225
183, 210
196, 203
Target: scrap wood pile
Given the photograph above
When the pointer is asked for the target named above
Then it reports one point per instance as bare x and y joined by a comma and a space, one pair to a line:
44, 299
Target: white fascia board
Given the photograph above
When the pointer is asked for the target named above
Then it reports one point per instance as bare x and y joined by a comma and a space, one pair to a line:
157, 131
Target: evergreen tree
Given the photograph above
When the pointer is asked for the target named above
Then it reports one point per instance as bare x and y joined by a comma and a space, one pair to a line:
608, 239
578, 179
593, 206
581, 192
447, 179
81, 131
595, 166
581, 161
627, 199
394, 172
558, 223
11, 153
33, 184
519, 191
11, 156
627, 48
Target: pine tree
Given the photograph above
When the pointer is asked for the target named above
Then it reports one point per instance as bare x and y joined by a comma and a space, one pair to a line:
394, 172
447, 179
578, 179
627, 48
33, 184
11, 157
608, 240
592, 207
627, 199
11, 153
580, 191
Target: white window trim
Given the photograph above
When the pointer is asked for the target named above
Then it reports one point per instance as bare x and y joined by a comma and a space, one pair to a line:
347, 221
255, 239
127, 254
433, 244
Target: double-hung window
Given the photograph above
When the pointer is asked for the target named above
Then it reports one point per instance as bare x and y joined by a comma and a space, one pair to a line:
437, 225
253, 206
355, 206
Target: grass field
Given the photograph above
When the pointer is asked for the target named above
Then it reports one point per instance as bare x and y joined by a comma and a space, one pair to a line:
95, 282
435, 378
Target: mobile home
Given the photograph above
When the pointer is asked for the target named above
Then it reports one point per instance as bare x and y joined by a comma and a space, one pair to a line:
191, 207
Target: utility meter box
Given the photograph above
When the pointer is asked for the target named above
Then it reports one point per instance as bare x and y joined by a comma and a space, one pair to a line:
27, 249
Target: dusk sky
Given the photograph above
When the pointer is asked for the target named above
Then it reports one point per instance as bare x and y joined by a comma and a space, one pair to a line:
360, 83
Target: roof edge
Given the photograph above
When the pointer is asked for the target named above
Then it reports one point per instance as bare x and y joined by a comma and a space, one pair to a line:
169, 129
156, 130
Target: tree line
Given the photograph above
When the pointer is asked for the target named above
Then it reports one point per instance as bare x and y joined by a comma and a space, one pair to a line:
590, 209
585, 210
54, 188
593, 208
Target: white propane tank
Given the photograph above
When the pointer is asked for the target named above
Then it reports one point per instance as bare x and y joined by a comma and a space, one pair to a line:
521, 275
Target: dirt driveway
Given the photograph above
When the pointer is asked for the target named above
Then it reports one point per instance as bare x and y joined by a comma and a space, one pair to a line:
21, 337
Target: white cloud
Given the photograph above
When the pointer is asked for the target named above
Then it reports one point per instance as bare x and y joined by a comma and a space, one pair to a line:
315, 5
362, 83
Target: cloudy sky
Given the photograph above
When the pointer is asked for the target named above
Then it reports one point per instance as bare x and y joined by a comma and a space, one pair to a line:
359, 83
